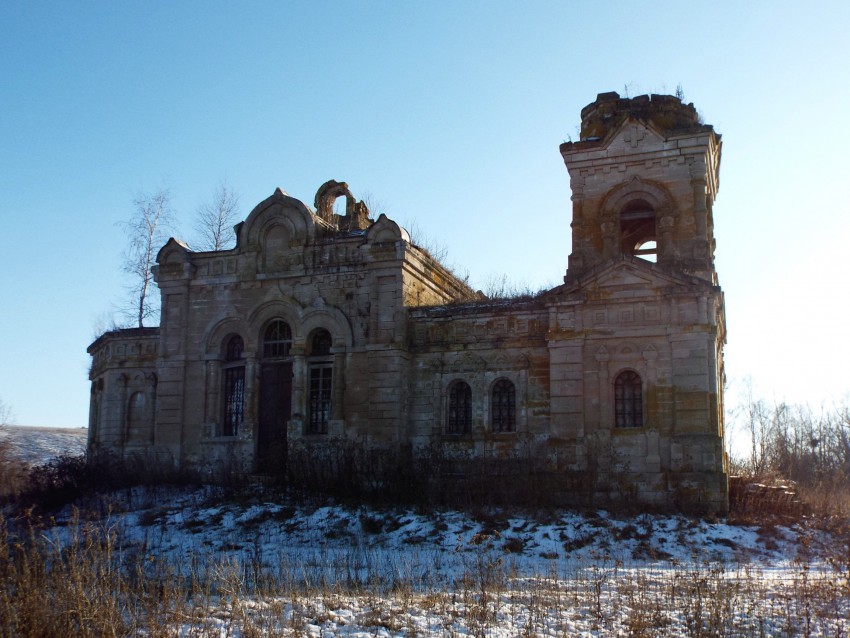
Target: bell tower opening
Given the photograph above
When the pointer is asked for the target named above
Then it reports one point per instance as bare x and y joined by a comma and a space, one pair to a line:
637, 230
644, 175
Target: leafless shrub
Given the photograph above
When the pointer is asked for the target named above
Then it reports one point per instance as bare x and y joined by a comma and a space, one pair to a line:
6, 414
419, 238
103, 323
793, 443
499, 287
439, 252
438, 474
13, 472
67, 479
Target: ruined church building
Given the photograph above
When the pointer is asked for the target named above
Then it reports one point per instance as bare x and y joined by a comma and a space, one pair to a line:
319, 328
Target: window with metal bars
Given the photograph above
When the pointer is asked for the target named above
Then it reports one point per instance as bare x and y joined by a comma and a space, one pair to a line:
628, 400
460, 408
234, 400
503, 406
277, 340
234, 386
321, 382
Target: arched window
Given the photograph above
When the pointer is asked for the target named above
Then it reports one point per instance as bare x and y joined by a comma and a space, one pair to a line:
637, 229
233, 349
460, 408
503, 406
234, 386
277, 340
628, 400
321, 342
321, 382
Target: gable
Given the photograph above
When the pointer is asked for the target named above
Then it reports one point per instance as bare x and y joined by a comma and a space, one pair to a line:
624, 277
633, 136
630, 277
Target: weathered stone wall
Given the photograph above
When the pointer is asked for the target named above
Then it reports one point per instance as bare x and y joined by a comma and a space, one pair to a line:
122, 406
665, 321
479, 343
643, 152
289, 266
404, 331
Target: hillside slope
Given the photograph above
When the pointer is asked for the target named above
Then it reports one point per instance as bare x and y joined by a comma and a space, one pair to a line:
37, 445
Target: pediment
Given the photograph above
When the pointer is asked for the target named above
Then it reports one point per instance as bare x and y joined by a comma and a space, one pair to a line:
624, 277
633, 136
628, 274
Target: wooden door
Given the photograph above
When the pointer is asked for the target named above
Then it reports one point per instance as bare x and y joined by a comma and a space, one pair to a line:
275, 411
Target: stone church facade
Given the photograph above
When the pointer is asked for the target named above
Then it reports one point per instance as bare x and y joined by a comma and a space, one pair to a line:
319, 328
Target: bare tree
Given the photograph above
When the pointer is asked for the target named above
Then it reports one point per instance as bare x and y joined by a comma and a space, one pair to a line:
146, 230
216, 218
6, 416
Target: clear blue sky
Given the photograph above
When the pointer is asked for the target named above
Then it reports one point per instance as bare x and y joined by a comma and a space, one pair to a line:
449, 113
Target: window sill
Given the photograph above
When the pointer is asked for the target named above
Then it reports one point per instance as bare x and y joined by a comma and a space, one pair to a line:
478, 436
222, 439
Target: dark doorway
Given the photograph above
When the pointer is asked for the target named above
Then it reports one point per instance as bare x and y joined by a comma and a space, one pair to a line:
275, 411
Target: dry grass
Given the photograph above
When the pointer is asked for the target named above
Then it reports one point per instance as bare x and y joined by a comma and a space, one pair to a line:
77, 580
13, 473
86, 579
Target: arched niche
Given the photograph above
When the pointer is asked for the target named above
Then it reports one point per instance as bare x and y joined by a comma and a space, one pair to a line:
276, 242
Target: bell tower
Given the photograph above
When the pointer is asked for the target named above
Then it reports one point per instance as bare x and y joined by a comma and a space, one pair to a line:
644, 176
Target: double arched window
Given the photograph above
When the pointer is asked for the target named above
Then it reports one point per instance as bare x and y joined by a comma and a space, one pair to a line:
502, 407
234, 385
628, 400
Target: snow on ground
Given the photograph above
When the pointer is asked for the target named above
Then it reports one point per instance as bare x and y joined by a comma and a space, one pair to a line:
353, 570
271, 531
37, 445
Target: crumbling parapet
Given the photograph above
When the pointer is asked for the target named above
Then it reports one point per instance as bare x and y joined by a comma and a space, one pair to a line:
356, 212
666, 112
